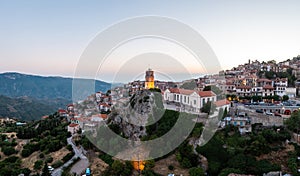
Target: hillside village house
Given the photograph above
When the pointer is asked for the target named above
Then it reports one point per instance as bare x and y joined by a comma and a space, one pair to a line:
73, 128
194, 100
280, 86
104, 107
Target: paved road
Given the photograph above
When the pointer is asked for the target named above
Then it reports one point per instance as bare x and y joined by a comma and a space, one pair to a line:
79, 152
266, 120
80, 166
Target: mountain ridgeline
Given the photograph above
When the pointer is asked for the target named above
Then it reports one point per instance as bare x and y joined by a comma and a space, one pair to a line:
29, 97
40, 87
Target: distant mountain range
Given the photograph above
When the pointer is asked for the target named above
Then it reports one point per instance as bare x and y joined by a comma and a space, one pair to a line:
40, 94
40, 87
26, 108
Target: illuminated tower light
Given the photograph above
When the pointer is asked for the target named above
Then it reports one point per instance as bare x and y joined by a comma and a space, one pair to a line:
149, 79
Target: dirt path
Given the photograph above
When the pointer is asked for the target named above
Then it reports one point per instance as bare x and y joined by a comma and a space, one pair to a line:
161, 166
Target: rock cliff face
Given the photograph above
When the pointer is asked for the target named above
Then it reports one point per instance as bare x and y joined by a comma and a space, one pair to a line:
133, 116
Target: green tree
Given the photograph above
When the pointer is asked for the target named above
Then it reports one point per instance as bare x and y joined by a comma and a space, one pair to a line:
8, 150
285, 98
46, 170
208, 107
117, 167
38, 165
293, 123
196, 171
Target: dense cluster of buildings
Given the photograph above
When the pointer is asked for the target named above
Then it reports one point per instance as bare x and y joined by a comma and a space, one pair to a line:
247, 80
254, 78
89, 113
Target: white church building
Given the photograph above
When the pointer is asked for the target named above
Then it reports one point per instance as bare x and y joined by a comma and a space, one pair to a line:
192, 99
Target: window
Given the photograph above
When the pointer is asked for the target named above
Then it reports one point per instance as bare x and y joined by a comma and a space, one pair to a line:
195, 102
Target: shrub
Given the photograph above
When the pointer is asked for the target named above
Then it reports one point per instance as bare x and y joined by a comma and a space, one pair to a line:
8, 150
69, 147
49, 159
38, 165
57, 164
171, 167
68, 156
196, 171
25, 153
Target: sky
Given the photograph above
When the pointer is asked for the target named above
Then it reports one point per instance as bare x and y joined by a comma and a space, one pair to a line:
49, 37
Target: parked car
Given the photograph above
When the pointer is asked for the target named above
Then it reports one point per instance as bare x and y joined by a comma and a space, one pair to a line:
50, 168
247, 104
259, 111
269, 113
277, 114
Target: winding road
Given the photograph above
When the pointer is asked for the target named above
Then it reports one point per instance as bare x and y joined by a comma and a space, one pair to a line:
79, 166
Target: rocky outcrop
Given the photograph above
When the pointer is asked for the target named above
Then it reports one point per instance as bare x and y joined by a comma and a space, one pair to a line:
133, 116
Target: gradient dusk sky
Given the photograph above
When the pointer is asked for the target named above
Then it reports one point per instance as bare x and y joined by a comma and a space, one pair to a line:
48, 37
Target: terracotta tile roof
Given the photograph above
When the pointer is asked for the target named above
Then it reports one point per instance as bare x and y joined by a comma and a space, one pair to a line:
103, 116
206, 93
181, 91
243, 87
268, 87
73, 125
45, 117
186, 91
263, 80
281, 79
62, 111
84, 119
104, 104
174, 90
222, 102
